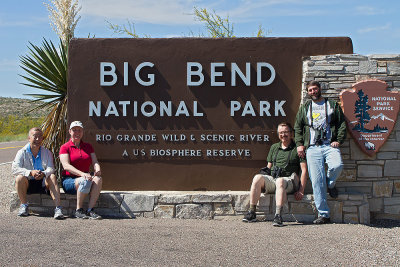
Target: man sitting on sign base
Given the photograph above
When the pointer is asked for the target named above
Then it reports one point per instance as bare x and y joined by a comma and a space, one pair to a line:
34, 173
280, 176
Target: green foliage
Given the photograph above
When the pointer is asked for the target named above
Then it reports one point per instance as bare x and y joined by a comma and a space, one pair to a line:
216, 26
128, 29
14, 127
46, 69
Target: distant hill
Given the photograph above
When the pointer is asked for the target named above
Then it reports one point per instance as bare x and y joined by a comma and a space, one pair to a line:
18, 107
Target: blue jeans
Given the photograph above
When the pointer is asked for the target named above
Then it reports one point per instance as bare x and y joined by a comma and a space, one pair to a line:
317, 156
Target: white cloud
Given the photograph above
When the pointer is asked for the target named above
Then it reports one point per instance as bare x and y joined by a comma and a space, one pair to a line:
368, 10
156, 12
374, 29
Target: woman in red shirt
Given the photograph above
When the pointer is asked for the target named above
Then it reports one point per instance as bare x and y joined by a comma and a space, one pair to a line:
77, 157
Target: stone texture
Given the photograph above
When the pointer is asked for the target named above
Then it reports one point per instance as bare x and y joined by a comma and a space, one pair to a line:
207, 198
242, 202
393, 68
348, 175
382, 189
350, 209
392, 168
113, 213
164, 211
173, 199
194, 211
110, 200
367, 67
356, 197
375, 204
350, 218
357, 154
325, 68
386, 155
301, 208
138, 202
336, 211
391, 201
265, 200
392, 209
223, 209
364, 214
396, 184
369, 170
391, 146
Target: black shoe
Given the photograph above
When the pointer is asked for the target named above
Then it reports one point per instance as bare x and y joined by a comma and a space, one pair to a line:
333, 192
93, 215
277, 220
321, 220
79, 213
250, 217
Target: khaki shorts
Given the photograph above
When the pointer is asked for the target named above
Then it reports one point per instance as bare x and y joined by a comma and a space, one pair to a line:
291, 183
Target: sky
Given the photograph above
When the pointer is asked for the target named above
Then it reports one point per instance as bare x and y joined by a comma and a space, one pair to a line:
373, 26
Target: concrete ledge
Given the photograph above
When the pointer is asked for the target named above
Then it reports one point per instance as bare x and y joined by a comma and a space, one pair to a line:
347, 208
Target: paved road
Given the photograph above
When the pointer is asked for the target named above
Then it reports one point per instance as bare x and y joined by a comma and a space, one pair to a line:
9, 149
37, 241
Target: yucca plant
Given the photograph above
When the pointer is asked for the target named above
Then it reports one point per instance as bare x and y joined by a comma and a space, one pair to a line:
46, 69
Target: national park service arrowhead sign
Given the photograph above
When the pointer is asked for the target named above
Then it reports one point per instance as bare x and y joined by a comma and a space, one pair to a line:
371, 112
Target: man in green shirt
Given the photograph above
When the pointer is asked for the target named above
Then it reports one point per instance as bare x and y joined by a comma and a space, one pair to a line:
285, 166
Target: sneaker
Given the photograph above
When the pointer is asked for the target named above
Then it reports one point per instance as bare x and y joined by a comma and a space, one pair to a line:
79, 213
93, 215
277, 220
250, 217
322, 220
58, 215
333, 192
23, 211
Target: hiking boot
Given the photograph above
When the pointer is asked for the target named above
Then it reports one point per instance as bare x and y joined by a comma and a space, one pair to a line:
93, 215
321, 220
23, 211
79, 213
58, 215
277, 220
333, 192
250, 217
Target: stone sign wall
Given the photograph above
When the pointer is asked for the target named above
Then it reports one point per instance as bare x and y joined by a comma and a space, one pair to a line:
378, 175
186, 113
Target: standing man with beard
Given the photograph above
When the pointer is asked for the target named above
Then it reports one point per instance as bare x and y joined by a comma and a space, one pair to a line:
320, 128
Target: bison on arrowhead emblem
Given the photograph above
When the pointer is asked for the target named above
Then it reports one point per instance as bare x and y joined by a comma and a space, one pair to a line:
371, 113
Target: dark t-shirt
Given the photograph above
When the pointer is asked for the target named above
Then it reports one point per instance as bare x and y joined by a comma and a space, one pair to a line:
282, 157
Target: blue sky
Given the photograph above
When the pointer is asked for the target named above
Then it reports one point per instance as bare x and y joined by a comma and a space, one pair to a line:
374, 26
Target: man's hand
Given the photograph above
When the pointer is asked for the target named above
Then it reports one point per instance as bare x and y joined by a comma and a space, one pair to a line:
38, 175
299, 195
97, 173
301, 152
335, 144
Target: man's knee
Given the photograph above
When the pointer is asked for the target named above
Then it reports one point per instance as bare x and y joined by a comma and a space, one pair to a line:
258, 180
51, 179
337, 166
280, 183
20, 179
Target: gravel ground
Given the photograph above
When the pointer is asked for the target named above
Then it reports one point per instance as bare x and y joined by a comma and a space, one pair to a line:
6, 187
37, 241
